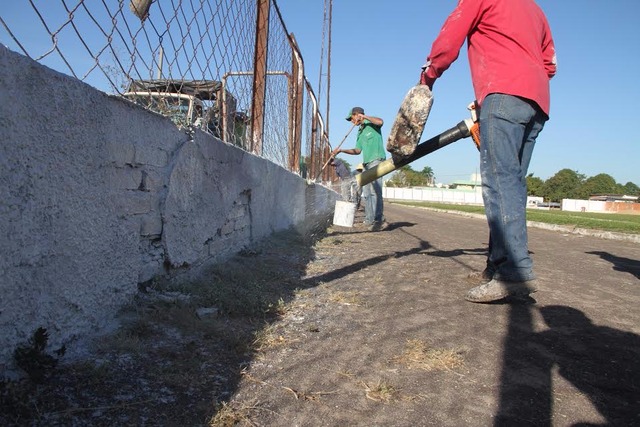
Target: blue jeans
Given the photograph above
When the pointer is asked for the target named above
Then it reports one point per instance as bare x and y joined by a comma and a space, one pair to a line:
372, 196
509, 126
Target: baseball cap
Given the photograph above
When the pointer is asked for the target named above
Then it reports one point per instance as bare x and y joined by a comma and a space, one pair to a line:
355, 110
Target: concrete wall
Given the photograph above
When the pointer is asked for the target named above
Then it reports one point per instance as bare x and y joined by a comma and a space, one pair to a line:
575, 205
446, 195
98, 195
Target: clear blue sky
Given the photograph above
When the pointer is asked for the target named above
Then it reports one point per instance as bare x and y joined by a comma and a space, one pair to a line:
378, 47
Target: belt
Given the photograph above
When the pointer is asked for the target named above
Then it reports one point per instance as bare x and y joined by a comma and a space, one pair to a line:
376, 160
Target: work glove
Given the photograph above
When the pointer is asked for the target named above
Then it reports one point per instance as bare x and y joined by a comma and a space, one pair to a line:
424, 78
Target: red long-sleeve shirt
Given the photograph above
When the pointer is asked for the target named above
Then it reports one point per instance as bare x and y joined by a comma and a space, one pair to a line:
510, 48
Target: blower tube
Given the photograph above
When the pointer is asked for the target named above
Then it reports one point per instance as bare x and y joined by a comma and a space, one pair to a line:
459, 131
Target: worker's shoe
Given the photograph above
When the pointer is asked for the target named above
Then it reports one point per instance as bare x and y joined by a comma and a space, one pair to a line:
378, 226
496, 290
480, 277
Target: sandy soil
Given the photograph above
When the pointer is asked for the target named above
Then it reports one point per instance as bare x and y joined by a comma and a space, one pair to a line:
367, 328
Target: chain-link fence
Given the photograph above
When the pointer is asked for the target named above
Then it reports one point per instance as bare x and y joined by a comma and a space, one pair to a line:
228, 67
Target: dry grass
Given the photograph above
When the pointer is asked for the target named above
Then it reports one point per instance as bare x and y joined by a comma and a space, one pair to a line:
418, 355
314, 269
381, 391
232, 414
297, 394
328, 242
279, 308
297, 304
268, 338
346, 374
307, 395
346, 297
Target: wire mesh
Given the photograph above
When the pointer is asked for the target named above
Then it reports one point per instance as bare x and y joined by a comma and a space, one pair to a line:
313, 155
191, 60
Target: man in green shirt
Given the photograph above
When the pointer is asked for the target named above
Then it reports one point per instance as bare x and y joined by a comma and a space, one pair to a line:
369, 143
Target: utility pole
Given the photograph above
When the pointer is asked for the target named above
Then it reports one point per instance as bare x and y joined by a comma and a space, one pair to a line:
329, 67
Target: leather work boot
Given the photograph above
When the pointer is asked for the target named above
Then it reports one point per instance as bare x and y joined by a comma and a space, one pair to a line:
495, 290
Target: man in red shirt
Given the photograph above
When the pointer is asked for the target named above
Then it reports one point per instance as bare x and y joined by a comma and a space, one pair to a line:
512, 58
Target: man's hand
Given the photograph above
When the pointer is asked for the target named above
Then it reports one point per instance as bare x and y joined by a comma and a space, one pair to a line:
358, 118
335, 152
425, 79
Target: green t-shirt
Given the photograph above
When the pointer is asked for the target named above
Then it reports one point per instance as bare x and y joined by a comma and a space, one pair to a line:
369, 141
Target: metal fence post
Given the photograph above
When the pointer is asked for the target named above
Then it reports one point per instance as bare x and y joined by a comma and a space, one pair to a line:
259, 75
317, 138
295, 109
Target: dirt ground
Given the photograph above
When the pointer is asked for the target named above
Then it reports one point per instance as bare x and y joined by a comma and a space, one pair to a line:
355, 328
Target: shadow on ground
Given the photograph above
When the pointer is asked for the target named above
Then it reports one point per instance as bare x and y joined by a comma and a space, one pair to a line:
626, 265
601, 362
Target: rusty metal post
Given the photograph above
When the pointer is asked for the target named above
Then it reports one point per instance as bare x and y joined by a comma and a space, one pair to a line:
259, 75
316, 135
326, 153
291, 98
312, 149
295, 110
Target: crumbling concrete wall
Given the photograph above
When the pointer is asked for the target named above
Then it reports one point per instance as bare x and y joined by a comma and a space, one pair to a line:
98, 195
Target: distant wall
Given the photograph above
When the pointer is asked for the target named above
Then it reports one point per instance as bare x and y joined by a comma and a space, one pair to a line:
574, 205
447, 195
98, 195
433, 194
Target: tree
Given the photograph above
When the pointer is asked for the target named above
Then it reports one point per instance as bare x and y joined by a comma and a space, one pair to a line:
397, 179
427, 172
563, 185
407, 177
535, 186
599, 184
631, 189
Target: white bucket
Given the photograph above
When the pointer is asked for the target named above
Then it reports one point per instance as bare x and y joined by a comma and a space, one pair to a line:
344, 214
